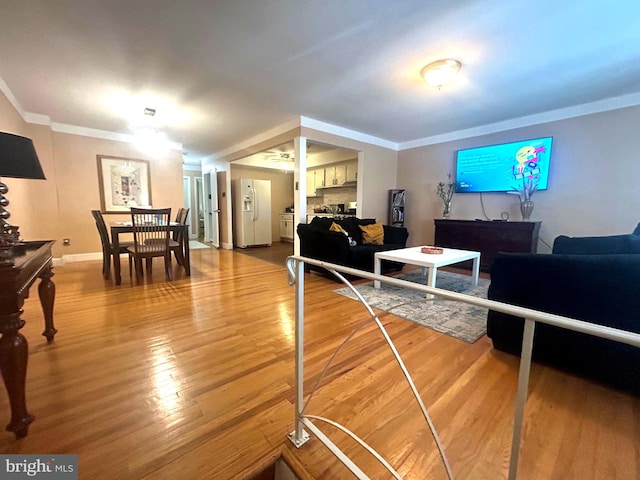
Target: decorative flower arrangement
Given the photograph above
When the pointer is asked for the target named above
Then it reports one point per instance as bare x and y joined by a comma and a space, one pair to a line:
445, 192
527, 188
525, 191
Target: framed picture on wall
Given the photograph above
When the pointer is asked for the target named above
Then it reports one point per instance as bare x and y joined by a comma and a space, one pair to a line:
124, 183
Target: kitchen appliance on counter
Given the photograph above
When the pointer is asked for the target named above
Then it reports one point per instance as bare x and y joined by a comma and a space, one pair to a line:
352, 207
252, 212
336, 208
337, 216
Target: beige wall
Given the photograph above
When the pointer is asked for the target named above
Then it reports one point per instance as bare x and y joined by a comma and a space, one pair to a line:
281, 190
33, 203
59, 207
593, 188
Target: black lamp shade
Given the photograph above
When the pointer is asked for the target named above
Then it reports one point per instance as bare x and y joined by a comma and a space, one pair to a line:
18, 158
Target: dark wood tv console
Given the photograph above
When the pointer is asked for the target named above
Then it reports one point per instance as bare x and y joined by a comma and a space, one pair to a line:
487, 237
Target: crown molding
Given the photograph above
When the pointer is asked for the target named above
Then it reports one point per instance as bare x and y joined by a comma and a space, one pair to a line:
4, 88
37, 119
104, 134
599, 106
347, 133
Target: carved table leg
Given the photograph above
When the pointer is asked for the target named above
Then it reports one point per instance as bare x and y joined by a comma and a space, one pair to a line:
14, 351
47, 294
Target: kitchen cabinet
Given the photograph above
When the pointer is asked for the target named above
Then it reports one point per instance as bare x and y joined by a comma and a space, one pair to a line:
311, 187
352, 171
335, 175
319, 180
286, 227
315, 180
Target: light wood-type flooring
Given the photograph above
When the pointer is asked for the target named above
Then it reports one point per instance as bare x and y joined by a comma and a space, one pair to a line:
193, 379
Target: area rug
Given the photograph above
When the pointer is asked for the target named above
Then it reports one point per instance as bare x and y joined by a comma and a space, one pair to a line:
456, 319
195, 245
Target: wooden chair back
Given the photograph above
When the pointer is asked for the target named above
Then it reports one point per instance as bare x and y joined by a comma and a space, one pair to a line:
181, 218
102, 230
151, 232
151, 236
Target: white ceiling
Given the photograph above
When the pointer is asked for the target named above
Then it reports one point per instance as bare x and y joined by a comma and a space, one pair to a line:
219, 72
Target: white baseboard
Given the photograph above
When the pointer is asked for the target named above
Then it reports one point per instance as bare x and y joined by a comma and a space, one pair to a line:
83, 257
79, 257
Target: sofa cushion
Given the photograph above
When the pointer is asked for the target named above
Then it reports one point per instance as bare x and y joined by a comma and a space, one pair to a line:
321, 222
372, 234
637, 230
352, 226
597, 245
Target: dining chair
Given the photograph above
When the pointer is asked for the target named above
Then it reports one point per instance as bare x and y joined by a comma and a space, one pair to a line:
108, 248
151, 237
177, 244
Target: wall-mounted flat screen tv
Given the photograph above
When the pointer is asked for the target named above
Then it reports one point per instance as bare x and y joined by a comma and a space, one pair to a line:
501, 168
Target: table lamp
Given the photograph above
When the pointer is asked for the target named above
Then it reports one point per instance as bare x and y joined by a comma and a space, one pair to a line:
18, 159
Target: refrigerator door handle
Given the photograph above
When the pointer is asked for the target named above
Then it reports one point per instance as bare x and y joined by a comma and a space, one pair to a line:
255, 204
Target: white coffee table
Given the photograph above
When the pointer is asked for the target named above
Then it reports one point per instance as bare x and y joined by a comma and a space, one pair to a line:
413, 256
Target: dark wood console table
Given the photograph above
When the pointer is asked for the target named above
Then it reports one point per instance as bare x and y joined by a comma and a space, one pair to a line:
32, 260
487, 237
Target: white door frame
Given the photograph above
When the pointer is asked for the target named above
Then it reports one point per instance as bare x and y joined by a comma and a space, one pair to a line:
211, 210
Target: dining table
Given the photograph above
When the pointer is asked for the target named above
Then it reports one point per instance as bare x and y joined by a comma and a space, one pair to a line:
118, 228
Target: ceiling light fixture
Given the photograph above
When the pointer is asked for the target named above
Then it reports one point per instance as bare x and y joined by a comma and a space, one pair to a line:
286, 162
440, 72
149, 111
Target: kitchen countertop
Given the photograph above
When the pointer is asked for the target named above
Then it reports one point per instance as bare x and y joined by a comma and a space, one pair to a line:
330, 215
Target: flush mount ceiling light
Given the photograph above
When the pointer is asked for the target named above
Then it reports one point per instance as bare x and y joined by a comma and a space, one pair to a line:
440, 72
149, 111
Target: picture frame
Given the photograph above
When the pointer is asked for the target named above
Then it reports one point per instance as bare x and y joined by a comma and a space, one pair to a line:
124, 183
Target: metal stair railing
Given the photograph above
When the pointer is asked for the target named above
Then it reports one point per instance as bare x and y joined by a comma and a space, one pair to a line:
295, 266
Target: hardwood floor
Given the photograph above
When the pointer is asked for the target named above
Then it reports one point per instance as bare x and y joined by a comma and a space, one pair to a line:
276, 253
193, 379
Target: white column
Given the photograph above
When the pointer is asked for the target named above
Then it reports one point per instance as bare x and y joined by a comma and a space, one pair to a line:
300, 186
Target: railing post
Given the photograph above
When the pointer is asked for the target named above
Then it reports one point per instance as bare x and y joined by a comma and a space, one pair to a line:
298, 437
521, 396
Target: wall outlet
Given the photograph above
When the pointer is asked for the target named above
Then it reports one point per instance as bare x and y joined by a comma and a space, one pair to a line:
66, 242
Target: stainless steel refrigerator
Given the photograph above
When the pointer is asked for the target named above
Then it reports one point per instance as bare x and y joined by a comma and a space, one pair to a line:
252, 212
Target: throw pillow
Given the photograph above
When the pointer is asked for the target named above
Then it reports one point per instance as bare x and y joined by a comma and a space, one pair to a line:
372, 234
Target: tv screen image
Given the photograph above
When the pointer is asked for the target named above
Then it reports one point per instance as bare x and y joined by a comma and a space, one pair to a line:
501, 168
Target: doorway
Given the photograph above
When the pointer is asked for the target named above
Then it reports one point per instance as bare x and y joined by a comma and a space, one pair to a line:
198, 217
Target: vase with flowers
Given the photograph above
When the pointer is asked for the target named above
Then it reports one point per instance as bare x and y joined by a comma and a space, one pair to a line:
525, 191
445, 192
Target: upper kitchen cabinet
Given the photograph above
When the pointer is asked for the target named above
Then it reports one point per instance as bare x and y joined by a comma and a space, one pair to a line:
319, 178
335, 175
352, 170
315, 181
341, 174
